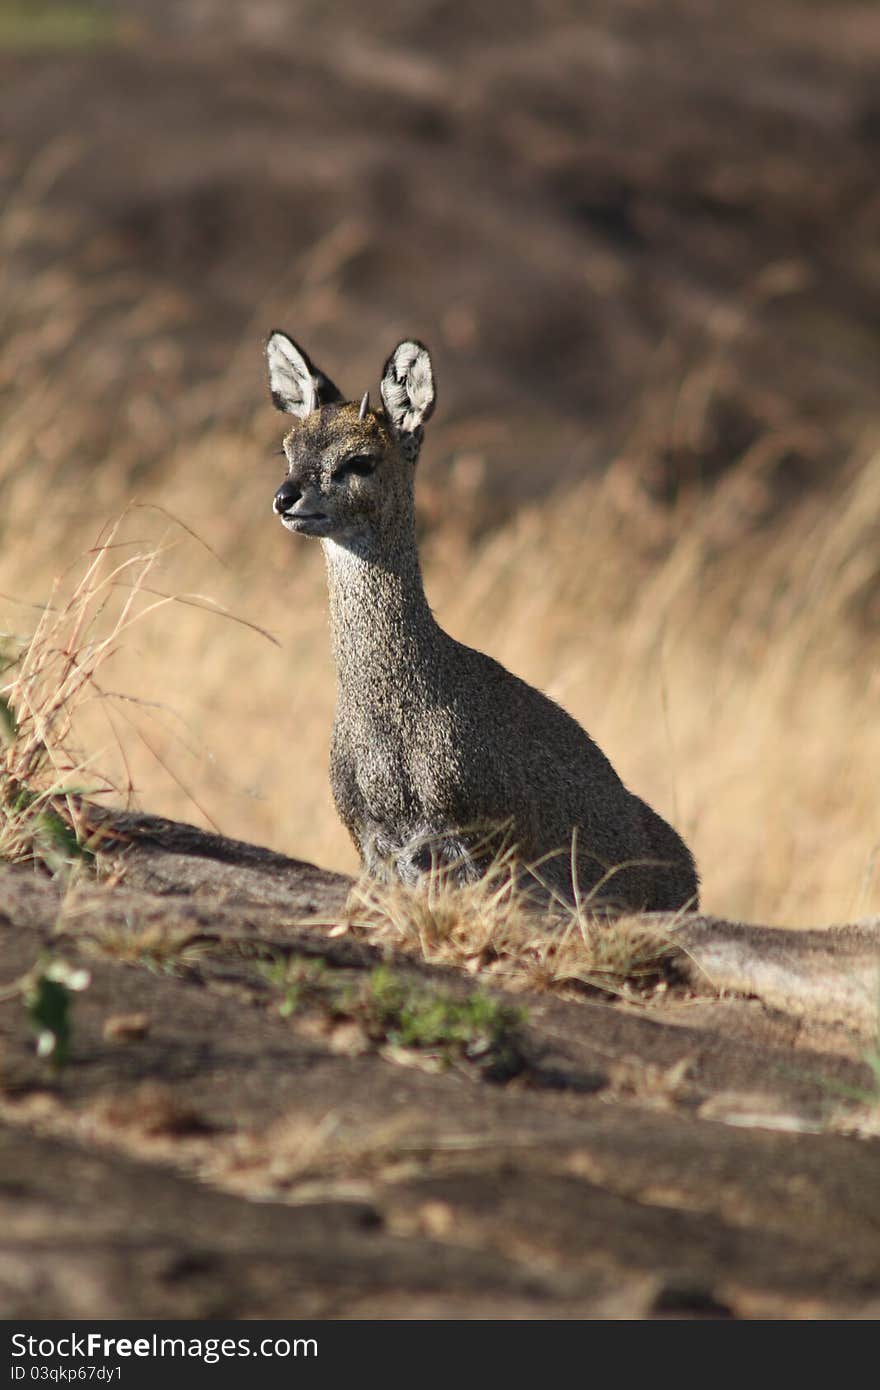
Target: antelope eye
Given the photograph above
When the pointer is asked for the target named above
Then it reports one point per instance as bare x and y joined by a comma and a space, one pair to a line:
361, 464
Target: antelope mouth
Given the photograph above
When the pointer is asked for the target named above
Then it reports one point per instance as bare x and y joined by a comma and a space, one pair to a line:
306, 523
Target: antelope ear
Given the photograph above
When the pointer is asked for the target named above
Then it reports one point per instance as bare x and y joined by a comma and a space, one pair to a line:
297, 386
408, 387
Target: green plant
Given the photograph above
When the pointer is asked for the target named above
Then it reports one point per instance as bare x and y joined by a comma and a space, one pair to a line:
475, 1027
391, 1009
413, 1016
46, 992
298, 981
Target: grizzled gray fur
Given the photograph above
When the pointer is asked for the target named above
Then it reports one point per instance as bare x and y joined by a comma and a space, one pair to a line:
439, 755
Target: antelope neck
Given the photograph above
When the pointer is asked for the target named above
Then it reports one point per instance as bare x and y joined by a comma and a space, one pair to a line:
379, 614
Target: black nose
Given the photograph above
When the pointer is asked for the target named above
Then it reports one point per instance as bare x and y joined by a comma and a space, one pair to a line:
287, 494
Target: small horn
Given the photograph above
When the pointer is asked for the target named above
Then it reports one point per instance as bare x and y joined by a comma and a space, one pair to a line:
365, 405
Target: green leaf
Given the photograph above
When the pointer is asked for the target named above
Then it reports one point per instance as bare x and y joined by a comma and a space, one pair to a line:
47, 999
57, 841
8, 721
48, 1007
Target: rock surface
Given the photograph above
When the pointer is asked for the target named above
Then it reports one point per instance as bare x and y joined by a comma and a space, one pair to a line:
711, 1151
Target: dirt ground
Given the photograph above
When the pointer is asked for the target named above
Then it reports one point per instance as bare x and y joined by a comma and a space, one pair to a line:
205, 1152
574, 205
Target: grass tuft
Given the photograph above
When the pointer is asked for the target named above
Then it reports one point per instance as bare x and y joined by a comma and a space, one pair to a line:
43, 778
492, 925
161, 947
49, 682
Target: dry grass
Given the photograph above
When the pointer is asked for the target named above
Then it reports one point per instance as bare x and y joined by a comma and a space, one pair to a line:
64, 734
493, 927
43, 774
730, 682
158, 946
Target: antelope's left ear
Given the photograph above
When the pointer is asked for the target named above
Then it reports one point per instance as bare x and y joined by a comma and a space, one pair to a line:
297, 386
408, 387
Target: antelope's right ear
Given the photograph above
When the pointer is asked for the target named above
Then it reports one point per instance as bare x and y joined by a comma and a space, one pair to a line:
408, 387
297, 386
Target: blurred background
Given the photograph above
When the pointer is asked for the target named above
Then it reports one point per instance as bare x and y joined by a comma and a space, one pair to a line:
642, 241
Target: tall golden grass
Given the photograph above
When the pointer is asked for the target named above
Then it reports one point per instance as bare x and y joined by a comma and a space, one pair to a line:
723, 666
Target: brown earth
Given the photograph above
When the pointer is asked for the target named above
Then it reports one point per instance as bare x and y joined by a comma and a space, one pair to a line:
710, 1151
574, 208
